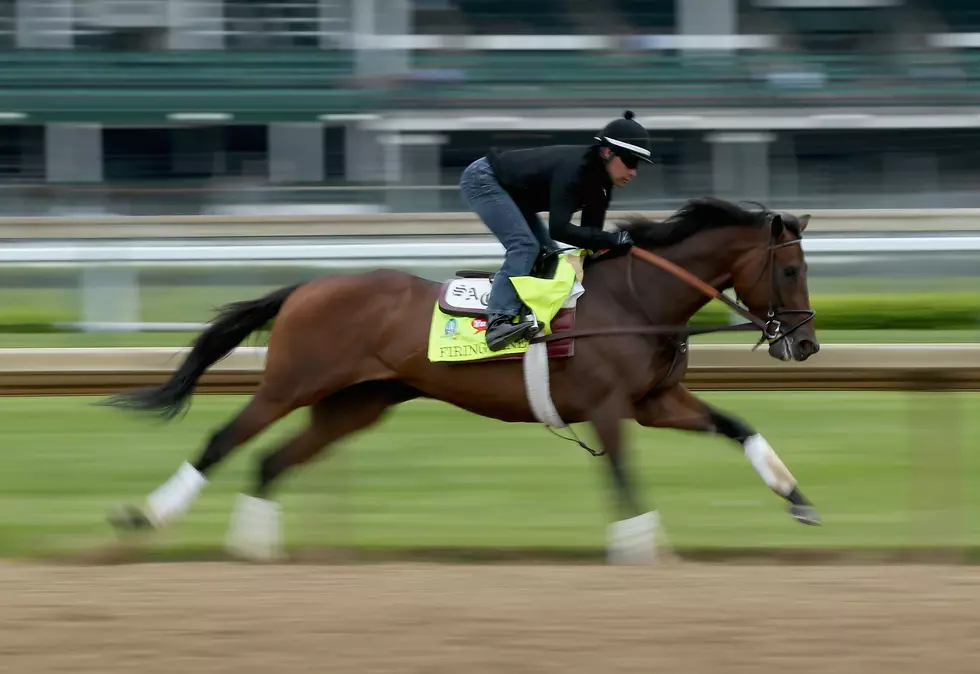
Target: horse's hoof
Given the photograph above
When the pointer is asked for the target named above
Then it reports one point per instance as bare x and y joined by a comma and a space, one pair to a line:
805, 514
129, 518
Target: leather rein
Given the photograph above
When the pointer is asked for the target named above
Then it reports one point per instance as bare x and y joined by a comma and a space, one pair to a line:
771, 328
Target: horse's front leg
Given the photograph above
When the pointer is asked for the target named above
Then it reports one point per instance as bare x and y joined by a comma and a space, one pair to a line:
632, 538
679, 409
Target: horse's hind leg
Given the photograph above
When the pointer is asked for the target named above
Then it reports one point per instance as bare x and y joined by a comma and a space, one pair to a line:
255, 531
679, 409
172, 499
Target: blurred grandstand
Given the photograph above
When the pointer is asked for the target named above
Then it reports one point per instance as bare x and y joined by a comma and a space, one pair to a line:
208, 106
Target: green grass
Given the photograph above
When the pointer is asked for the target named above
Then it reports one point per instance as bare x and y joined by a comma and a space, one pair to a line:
433, 476
890, 285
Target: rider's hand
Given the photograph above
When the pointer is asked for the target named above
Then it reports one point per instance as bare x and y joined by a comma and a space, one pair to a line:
622, 240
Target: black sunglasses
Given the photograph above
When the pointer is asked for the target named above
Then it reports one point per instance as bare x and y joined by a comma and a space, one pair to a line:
631, 161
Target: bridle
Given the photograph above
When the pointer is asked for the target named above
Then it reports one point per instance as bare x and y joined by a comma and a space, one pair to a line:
772, 328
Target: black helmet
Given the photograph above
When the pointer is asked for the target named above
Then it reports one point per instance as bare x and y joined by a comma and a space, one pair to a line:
627, 138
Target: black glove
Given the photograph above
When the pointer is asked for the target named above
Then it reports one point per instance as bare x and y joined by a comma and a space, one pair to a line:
622, 239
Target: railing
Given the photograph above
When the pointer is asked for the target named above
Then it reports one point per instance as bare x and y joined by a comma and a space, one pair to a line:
840, 367
923, 222
381, 251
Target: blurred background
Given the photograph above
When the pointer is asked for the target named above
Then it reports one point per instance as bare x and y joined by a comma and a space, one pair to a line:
190, 106
341, 112
161, 157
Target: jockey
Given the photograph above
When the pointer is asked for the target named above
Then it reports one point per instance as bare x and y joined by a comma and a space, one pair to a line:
508, 189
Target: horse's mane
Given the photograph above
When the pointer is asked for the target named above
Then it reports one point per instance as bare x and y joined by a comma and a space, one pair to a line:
695, 216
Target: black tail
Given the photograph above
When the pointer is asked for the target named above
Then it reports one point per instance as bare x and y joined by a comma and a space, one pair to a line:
230, 327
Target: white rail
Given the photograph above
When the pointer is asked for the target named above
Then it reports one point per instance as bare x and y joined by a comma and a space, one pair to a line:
383, 251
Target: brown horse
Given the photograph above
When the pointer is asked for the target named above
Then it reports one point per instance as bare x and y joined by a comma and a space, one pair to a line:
352, 346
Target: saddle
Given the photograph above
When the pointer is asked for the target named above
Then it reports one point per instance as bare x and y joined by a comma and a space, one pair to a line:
469, 292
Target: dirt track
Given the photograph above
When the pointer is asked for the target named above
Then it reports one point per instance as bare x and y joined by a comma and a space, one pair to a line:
440, 618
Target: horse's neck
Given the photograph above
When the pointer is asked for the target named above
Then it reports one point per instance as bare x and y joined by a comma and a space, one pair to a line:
668, 300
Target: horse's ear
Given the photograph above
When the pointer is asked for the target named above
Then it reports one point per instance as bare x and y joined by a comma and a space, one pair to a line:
777, 225
804, 221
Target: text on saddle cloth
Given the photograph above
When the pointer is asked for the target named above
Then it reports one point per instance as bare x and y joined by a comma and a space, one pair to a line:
462, 339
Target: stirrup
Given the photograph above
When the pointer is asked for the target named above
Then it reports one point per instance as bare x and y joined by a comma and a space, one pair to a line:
527, 315
512, 332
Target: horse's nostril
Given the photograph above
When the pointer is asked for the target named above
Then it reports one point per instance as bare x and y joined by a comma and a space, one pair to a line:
808, 347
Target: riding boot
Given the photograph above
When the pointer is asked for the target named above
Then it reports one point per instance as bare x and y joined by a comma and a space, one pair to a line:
502, 331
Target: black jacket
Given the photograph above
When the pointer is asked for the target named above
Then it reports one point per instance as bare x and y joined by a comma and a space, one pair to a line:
560, 179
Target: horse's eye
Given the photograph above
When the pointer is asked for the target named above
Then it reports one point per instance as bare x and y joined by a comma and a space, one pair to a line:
790, 272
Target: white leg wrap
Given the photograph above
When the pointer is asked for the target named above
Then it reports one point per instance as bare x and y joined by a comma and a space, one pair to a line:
769, 466
633, 541
174, 497
255, 532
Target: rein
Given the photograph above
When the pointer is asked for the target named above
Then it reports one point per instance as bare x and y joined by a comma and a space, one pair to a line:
771, 328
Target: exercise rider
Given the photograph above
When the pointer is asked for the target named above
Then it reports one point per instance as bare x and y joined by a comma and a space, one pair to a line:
508, 189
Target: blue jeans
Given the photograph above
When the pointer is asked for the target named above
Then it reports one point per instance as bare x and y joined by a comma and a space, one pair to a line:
522, 233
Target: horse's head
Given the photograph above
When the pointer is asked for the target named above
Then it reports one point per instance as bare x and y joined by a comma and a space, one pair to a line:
759, 253
770, 279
